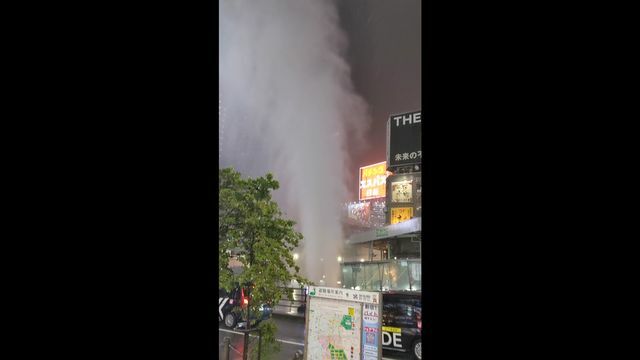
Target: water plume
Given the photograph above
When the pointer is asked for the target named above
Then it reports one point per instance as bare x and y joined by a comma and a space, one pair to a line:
288, 106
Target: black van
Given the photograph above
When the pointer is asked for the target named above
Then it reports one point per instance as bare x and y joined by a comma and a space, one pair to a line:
230, 305
402, 322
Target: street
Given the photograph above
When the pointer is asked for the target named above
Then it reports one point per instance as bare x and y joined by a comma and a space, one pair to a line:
290, 335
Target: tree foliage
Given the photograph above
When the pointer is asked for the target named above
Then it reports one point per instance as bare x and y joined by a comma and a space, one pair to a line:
251, 227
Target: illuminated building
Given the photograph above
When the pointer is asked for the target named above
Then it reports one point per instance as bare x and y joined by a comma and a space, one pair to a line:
389, 257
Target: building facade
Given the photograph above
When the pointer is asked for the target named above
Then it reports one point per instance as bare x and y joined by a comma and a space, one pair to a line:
389, 257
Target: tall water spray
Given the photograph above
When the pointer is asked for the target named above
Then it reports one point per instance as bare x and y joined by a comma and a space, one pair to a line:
288, 107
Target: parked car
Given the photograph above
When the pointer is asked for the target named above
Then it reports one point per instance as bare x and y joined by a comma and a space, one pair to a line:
402, 322
232, 305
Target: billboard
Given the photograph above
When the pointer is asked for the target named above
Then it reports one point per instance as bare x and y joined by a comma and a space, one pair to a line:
401, 214
404, 139
343, 324
401, 191
373, 181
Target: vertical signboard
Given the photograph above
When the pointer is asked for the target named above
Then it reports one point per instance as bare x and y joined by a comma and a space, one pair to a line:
371, 331
343, 324
373, 181
404, 139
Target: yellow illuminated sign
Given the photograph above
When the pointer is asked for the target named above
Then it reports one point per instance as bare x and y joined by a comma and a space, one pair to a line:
399, 215
391, 329
373, 181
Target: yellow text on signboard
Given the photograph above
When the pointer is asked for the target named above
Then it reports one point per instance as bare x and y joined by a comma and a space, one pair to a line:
373, 181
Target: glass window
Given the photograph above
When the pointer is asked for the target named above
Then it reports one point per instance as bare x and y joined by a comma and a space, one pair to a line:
380, 250
347, 276
404, 248
358, 275
372, 277
385, 276
415, 273
400, 275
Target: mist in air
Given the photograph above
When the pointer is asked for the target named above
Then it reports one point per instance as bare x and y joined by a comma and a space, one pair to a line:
287, 106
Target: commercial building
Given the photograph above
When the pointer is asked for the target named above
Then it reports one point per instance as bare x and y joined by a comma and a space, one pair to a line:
389, 257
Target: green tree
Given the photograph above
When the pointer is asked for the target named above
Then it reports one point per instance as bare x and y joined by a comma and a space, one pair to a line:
251, 227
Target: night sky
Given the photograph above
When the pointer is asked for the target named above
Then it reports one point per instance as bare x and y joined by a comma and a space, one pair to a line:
385, 56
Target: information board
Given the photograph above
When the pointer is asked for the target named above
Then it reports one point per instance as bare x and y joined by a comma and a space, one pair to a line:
343, 324
371, 332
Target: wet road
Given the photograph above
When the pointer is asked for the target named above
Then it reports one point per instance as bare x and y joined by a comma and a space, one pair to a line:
290, 336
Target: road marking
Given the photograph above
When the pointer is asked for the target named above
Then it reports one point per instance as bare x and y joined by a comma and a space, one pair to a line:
280, 340
290, 342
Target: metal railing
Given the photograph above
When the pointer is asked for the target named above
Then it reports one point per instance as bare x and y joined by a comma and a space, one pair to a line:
251, 349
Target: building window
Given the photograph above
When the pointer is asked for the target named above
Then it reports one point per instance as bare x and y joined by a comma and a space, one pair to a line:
405, 248
383, 275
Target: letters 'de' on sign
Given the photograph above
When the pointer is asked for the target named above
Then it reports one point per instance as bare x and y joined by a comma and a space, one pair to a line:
404, 139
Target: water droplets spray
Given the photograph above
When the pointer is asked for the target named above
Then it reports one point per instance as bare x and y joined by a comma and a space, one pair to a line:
290, 109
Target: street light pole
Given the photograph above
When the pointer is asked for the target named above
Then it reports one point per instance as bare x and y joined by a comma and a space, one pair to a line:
248, 326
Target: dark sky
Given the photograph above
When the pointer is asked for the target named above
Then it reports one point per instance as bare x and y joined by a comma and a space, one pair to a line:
385, 57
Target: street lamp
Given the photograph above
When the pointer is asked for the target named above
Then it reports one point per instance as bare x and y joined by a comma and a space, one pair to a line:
295, 256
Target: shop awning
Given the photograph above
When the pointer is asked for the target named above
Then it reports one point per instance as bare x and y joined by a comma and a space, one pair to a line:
406, 227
